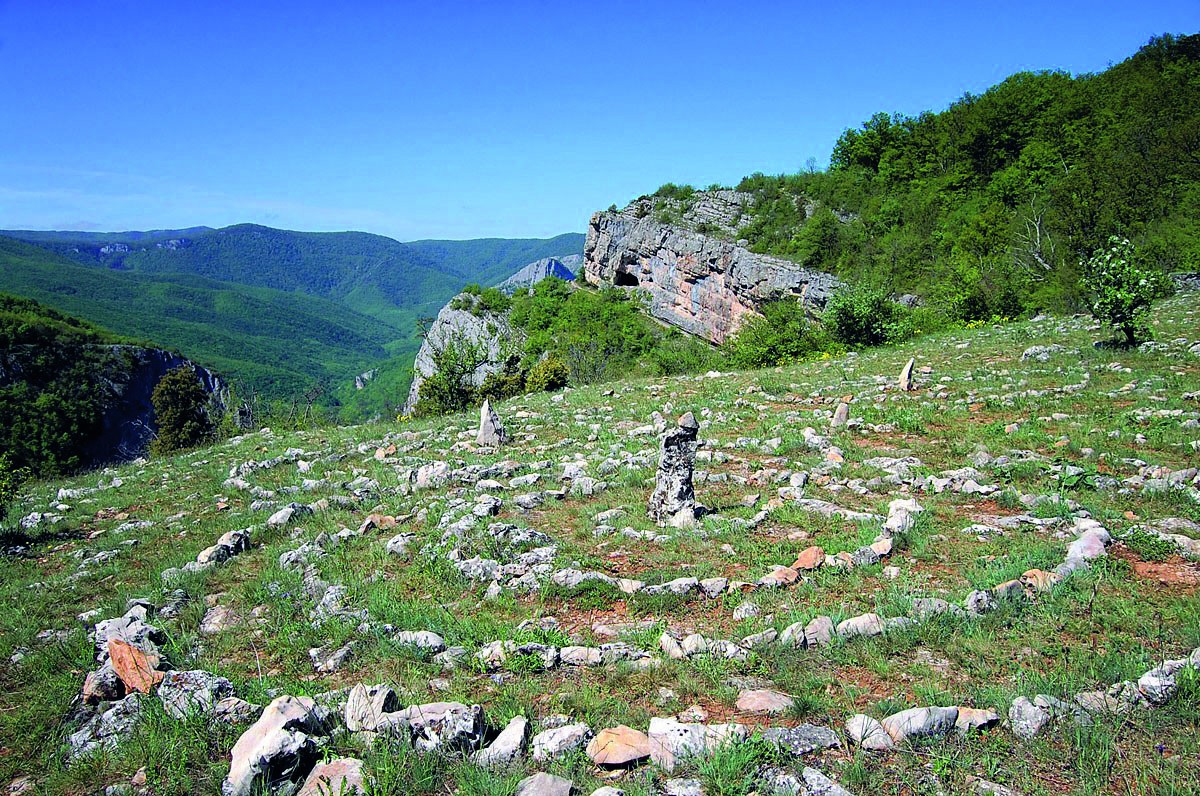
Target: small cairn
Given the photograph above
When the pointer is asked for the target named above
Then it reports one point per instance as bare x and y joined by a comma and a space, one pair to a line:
674, 499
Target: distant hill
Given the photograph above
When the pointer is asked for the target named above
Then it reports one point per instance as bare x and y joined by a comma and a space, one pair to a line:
276, 311
273, 341
371, 274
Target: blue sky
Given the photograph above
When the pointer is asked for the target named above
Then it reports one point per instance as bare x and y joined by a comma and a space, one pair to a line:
460, 120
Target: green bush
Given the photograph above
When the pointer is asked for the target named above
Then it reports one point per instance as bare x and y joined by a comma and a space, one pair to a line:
180, 411
782, 334
1122, 287
548, 375
451, 388
860, 316
505, 383
10, 480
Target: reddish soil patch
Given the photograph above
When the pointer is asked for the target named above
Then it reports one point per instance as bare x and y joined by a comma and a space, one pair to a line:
877, 444
1176, 574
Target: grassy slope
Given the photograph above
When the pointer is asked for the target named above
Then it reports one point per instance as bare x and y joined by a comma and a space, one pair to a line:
277, 341
1099, 627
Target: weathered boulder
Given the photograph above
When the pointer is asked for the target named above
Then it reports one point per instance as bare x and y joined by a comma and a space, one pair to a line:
619, 746
276, 749
194, 691
507, 746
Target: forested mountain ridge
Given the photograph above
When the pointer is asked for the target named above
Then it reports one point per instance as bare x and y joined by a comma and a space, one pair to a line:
987, 208
371, 274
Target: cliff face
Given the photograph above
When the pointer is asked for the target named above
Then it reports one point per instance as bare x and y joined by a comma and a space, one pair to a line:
491, 332
123, 377
128, 423
684, 256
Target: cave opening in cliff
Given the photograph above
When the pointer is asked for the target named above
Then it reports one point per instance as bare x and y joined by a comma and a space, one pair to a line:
625, 279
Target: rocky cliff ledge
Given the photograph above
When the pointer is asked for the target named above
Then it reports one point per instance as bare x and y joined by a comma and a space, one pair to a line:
122, 377
462, 323
128, 423
684, 255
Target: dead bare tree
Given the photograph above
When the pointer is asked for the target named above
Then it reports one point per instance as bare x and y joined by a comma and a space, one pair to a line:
1034, 249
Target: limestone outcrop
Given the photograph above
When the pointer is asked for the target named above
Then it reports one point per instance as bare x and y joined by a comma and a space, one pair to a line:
563, 268
463, 323
686, 258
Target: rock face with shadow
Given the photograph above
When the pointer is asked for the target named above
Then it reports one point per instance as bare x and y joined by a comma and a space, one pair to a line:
686, 256
122, 376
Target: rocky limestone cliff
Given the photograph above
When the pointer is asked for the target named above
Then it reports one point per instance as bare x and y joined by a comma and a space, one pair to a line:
128, 422
685, 256
126, 376
491, 332
562, 267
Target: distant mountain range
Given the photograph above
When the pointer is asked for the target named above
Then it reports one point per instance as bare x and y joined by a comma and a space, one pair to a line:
274, 310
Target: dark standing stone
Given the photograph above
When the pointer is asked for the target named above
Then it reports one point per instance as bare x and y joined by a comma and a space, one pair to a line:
674, 498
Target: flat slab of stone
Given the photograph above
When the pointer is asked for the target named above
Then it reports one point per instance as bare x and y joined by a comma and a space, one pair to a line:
619, 746
763, 701
342, 776
802, 739
543, 784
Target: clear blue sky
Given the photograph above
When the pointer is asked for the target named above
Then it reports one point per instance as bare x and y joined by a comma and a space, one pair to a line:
459, 120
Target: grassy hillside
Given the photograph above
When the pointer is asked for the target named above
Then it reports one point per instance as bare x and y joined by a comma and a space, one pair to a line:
1054, 439
276, 342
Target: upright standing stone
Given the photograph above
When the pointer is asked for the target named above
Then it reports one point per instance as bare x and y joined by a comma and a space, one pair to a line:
674, 498
906, 382
491, 430
841, 415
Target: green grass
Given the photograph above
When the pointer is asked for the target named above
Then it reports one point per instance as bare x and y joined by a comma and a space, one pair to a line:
1102, 626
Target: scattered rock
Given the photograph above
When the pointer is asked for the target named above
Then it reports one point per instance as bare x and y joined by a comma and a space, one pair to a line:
619, 746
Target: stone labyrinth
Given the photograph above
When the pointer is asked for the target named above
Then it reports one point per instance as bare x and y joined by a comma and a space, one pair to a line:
918, 570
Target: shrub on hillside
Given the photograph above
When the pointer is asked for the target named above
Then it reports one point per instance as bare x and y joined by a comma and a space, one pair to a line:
10, 480
549, 374
1123, 286
451, 388
860, 316
783, 333
181, 411
507, 382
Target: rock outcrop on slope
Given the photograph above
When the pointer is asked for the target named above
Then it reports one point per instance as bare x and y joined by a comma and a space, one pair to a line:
120, 422
561, 267
128, 423
462, 322
684, 256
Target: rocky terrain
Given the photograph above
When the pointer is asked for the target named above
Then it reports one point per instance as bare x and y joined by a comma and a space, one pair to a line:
685, 255
965, 565
559, 267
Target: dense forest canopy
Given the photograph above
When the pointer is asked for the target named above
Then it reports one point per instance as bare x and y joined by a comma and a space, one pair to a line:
988, 207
